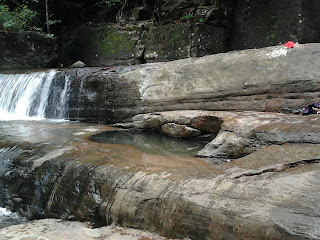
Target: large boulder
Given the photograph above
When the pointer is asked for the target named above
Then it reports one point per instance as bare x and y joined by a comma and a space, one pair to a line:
273, 79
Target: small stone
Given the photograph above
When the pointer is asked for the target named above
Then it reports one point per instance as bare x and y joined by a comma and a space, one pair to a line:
147, 121
207, 124
17, 200
78, 64
179, 131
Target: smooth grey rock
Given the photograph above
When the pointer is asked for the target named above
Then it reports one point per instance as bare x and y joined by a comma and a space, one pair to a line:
271, 79
179, 131
78, 64
150, 121
226, 145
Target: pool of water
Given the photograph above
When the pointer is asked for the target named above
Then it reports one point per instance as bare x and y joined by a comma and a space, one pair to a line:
151, 142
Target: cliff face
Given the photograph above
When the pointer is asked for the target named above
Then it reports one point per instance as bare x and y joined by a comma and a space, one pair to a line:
192, 29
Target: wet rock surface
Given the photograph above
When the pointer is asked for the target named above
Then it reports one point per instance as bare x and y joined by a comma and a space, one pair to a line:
270, 193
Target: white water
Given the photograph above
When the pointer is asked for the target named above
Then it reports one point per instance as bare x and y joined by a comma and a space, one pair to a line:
64, 97
8, 218
26, 96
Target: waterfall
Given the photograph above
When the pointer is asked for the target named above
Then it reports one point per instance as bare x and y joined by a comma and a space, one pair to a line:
26, 96
64, 98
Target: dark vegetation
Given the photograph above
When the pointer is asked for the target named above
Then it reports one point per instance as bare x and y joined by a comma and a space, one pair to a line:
125, 32
25, 15
37, 15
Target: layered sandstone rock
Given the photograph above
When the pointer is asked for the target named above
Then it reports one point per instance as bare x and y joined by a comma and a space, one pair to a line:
275, 79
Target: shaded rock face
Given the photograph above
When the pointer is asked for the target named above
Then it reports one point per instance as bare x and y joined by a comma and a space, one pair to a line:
192, 29
261, 23
154, 31
27, 50
104, 46
140, 43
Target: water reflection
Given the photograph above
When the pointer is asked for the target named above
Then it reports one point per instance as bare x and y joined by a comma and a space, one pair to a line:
151, 142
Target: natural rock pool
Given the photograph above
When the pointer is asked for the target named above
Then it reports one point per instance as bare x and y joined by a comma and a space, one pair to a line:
52, 169
151, 142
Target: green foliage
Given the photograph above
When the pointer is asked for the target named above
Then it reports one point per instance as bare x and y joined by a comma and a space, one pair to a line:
21, 19
187, 17
51, 22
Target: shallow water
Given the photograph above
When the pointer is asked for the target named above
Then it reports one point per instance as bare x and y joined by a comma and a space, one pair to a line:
151, 142
40, 141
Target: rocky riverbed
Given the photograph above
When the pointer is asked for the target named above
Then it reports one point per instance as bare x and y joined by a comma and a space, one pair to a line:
268, 190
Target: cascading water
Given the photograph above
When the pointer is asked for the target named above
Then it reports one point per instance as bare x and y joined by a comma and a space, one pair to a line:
26, 96
29, 96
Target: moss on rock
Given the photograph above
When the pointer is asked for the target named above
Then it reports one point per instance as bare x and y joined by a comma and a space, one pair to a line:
106, 45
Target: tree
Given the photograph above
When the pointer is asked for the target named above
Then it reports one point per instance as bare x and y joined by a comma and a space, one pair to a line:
47, 17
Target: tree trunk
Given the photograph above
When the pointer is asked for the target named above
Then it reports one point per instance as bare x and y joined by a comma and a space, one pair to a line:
47, 17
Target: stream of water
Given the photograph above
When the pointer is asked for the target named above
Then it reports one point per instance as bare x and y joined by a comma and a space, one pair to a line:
23, 97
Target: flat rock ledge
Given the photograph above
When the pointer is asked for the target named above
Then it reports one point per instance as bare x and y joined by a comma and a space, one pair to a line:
234, 134
272, 192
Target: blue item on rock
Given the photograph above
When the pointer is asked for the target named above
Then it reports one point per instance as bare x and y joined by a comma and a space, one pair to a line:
310, 108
